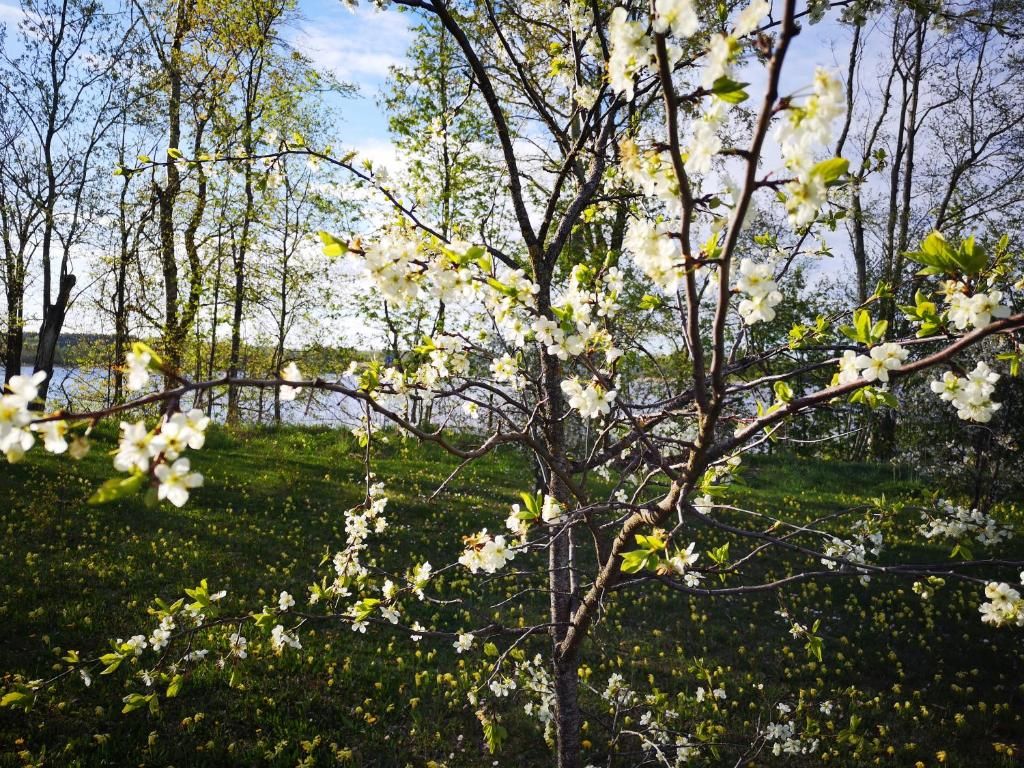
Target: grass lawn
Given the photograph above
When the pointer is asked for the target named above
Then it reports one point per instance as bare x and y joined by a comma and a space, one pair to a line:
902, 680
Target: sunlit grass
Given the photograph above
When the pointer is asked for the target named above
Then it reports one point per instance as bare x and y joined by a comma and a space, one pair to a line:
923, 678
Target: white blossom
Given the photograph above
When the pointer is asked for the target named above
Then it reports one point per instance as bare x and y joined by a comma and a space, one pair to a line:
591, 401
137, 367
676, 16
970, 395
290, 372
760, 290
881, 359
176, 480
630, 51
485, 552
279, 639
237, 645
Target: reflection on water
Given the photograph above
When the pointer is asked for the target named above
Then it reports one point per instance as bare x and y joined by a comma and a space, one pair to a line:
88, 389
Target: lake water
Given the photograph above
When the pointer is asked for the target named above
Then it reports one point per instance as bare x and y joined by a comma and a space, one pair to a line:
80, 390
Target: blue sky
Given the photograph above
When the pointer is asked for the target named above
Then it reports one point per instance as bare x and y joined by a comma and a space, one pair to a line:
358, 46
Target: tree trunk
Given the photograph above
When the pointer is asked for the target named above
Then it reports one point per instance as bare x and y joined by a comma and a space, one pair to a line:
567, 717
565, 673
15, 338
49, 334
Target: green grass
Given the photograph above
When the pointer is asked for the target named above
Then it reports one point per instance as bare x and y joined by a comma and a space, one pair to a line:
922, 677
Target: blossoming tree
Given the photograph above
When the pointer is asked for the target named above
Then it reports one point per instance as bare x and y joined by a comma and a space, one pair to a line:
639, 170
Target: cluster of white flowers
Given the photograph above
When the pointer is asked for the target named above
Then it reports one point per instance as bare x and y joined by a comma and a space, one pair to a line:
657, 727
135, 644
681, 563
502, 685
874, 366
391, 263
15, 435
800, 132
761, 294
970, 395
485, 552
864, 541
162, 634
368, 518
651, 172
705, 142
517, 525
280, 639
463, 642
505, 370
137, 364
716, 694
720, 53
1005, 607
360, 522
536, 683
551, 511
139, 447
238, 645
955, 522
570, 338
592, 401
630, 51
445, 356
975, 311
677, 17
419, 576
619, 693
656, 252
507, 305
784, 739
589, 295
290, 372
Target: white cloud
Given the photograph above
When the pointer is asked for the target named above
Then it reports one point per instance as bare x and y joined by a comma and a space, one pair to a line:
357, 46
12, 13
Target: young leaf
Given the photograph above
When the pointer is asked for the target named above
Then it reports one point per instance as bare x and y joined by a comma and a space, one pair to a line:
117, 488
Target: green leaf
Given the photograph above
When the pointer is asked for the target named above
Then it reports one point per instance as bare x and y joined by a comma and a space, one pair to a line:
650, 302
860, 331
495, 735
1014, 359
783, 392
636, 561
936, 254
333, 247
16, 699
174, 152
831, 170
814, 647
264, 621
971, 256
134, 701
650, 543
729, 90
117, 488
719, 555
175, 687
142, 348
